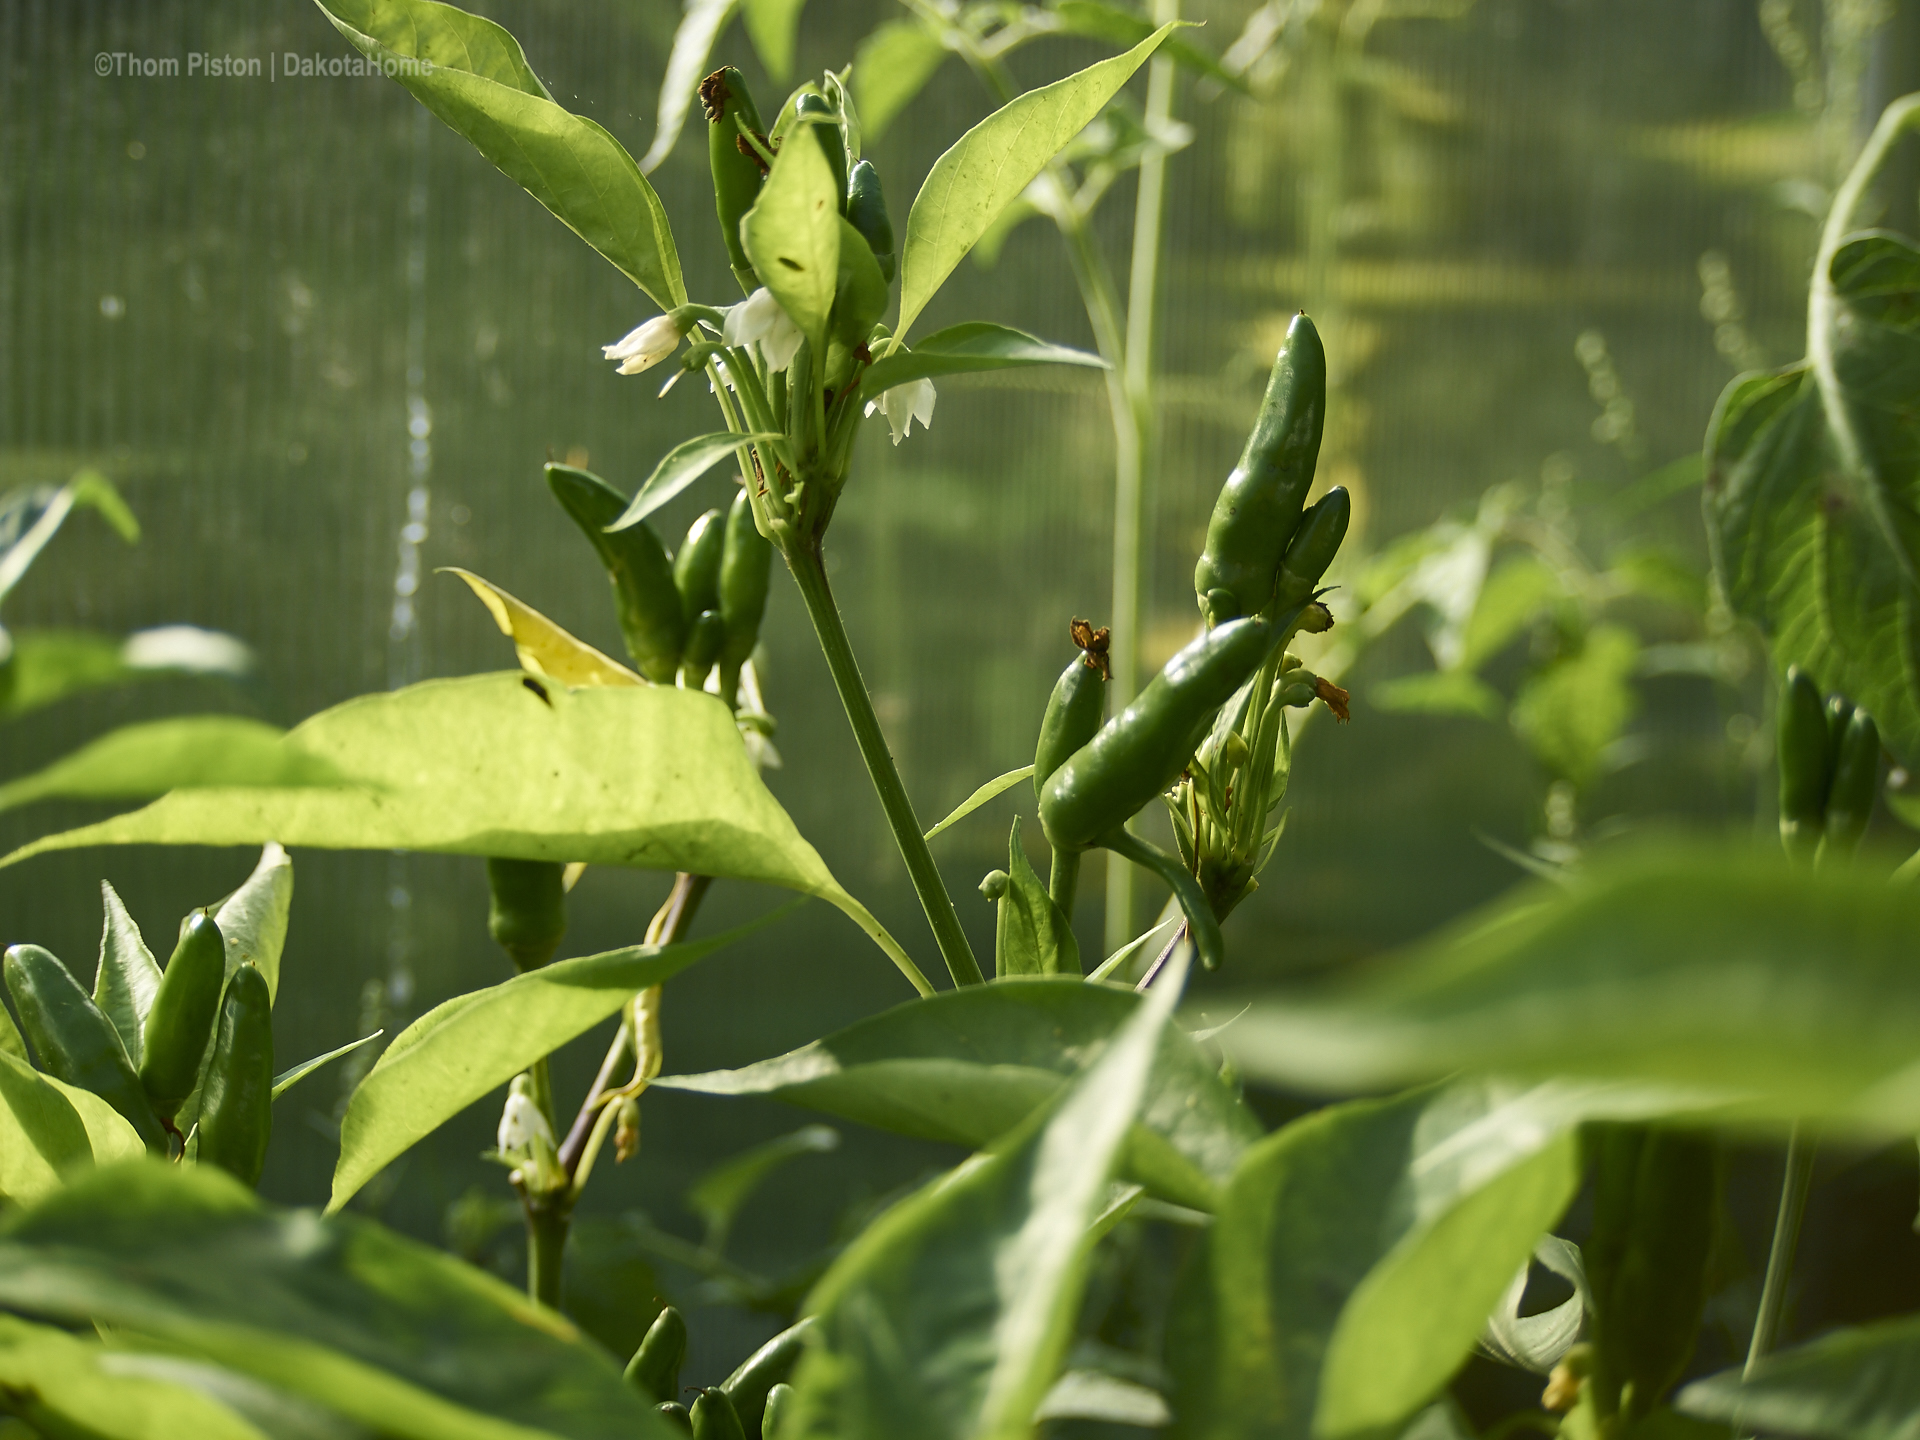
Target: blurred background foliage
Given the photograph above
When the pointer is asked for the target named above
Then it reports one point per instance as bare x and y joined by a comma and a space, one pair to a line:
323, 348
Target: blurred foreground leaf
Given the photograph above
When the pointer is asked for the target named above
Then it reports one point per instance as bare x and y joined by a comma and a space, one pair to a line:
1859, 1384
63, 1386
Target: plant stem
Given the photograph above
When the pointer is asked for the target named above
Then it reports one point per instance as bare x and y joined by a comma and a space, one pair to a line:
810, 575
548, 1220
1064, 881
1786, 1237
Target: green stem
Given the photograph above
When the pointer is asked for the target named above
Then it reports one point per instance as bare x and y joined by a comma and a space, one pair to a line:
548, 1219
1200, 922
1064, 881
1786, 1237
810, 575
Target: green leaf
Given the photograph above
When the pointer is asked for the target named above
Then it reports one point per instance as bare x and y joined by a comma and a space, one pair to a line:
153, 756
1743, 982
1438, 692
1337, 1229
950, 1315
716, 1197
988, 167
1508, 601
892, 65
771, 25
65, 1386
409, 1342
292, 1076
1570, 712
49, 665
1095, 1395
89, 488
48, 1129
484, 765
792, 235
1032, 936
996, 786
693, 43
1537, 1342
253, 920
1855, 1384
679, 468
128, 976
975, 345
1118, 27
968, 1065
480, 85
460, 1051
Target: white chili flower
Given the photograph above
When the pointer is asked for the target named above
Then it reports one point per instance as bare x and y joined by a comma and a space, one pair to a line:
904, 404
520, 1122
760, 318
646, 345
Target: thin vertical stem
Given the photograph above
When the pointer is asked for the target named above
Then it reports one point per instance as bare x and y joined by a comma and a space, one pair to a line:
1786, 1238
549, 1217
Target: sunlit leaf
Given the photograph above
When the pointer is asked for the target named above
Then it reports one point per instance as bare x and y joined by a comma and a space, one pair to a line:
771, 25
253, 920
293, 1075
63, 1385
716, 1197
960, 349
1537, 1342
968, 1065
950, 1315
1570, 712
475, 1043
692, 45
1508, 601
480, 85
1121, 27
792, 235
1854, 1384
154, 756
679, 468
543, 647
49, 665
892, 65
88, 489
48, 1129
1093, 1395
128, 975
988, 167
999, 785
385, 1331
1437, 692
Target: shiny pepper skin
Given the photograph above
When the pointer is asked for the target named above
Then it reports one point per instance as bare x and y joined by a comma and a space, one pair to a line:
174, 1038
738, 171
1805, 764
236, 1101
1077, 706
746, 574
526, 909
867, 213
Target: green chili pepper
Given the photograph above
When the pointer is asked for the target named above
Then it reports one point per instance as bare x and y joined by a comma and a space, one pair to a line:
772, 1363
676, 1415
746, 572
236, 1099
816, 112
1856, 781
655, 1367
703, 648
738, 171
1143, 749
74, 1040
174, 1038
1259, 507
780, 1403
696, 569
526, 908
1322, 527
1077, 706
652, 619
1805, 764
714, 1417
867, 213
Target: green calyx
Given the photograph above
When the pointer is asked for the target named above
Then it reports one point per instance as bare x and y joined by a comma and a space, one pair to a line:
236, 1102
733, 125
1259, 507
526, 909
174, 1038
652, 619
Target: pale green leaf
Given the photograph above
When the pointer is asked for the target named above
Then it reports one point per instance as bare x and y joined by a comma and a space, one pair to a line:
1094, 1395
1570, 712
792, 235
459, 1052
961, 349
253, 920
1437, 692
996, 786
950, 1315
716, 1197
1537, 1342
543, 647
650, 776
294, 1074
771, 25
153, 756
128, 975
89, 488
988, 167
66, 1386
403, 1339
968, 1065
693, 43
1121, 27
48, 1129
1853, 1384
480, 86
1747, 983
1033, 936
49, 665
892, 65
679, 468
1508, 601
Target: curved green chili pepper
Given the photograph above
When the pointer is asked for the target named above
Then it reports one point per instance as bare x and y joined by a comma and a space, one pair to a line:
867, 213
74, 1040
703, 648
816, 112
1077, 706
780, 1403
1323, 526
1259, 507
746, 574
696, 569
1143, 749
714, 1417
1856, 781
652, 620
526, 908
738, 171
1805, 765
655, 1368
747, 1387
236, 1101
174, 1038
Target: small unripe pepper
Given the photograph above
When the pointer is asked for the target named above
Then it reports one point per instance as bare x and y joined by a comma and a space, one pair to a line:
236, 1102
1078, 703
738, 171
652, 620
696, 569
703, 648
1259, 507
526, 908
676, 1415
655, 1368
1856, 781
174, 1038
1805, 764
780, 1402
714, 1417
1322, 527
867, 213
74, 1039
746, 574
747, 1387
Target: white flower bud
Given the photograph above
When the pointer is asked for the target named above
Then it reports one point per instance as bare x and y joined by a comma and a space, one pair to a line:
646, 345
903, 405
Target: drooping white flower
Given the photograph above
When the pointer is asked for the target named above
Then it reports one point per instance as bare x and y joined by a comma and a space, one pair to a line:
904, 404
646, 345
760, 318
520, 1122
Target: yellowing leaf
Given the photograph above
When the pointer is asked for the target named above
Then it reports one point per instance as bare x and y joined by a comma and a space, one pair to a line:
544, 648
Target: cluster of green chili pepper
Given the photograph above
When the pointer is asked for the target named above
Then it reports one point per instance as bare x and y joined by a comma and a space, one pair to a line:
744, 1406
1829, 771
1265, 553
207, 1031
